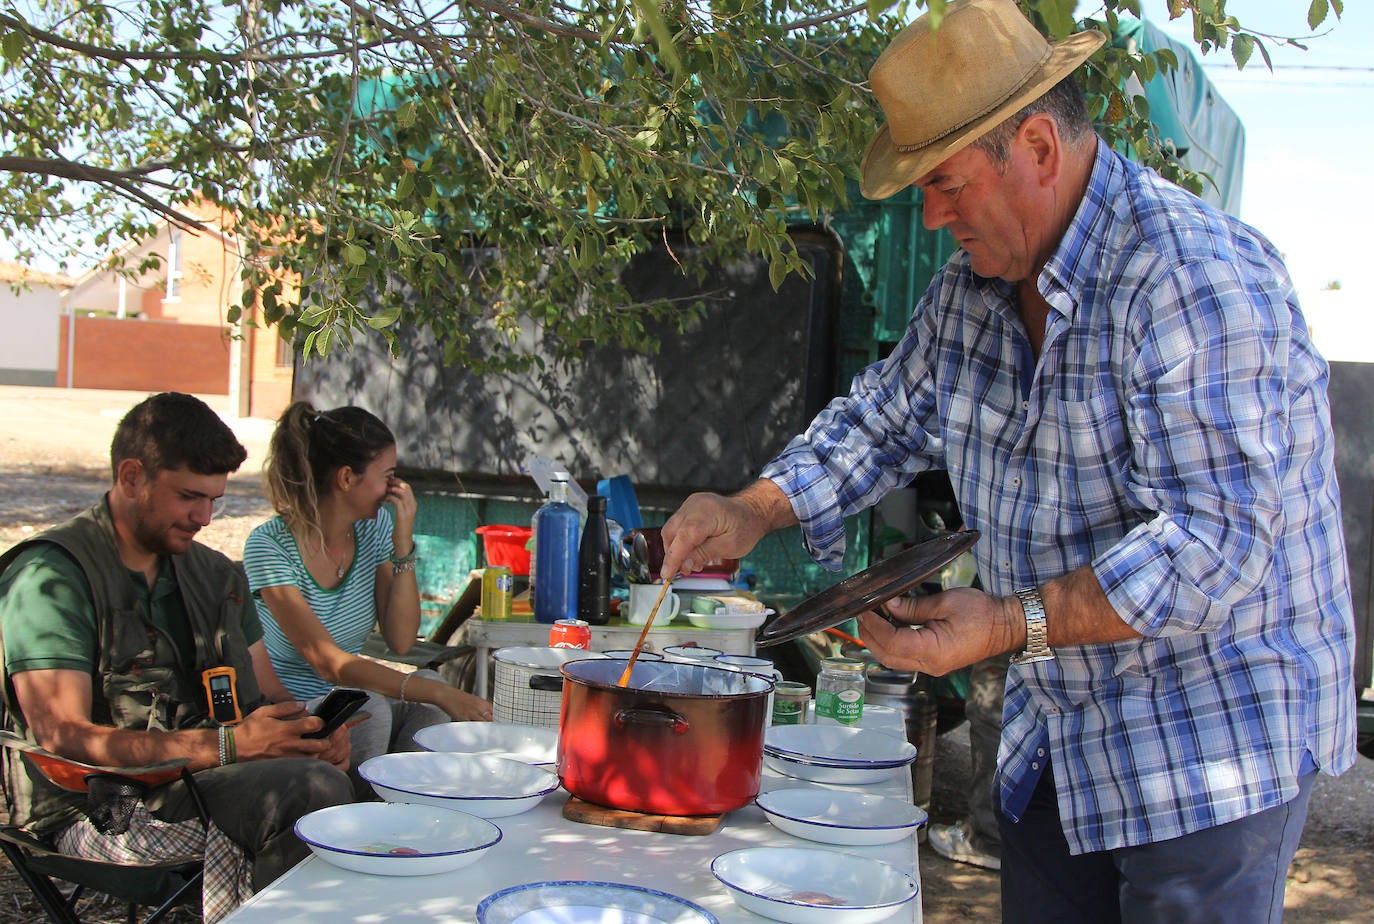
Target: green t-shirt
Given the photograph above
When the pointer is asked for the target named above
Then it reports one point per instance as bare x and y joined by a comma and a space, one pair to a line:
48, 622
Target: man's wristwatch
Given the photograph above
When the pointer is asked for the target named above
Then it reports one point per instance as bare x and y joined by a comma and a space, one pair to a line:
1037, 634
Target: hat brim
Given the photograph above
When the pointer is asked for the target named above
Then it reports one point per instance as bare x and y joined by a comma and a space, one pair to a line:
886, 171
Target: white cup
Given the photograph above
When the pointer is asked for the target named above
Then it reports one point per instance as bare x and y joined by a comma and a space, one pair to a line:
692, 654
748, 664
644, 654
641, 605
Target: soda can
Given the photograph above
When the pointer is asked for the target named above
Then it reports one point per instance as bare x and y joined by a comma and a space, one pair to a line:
498, 589
571, 633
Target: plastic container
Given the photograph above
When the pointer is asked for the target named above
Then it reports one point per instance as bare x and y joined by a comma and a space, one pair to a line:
506, 545
558, 528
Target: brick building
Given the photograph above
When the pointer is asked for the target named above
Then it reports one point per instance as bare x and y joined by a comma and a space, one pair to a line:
167, 329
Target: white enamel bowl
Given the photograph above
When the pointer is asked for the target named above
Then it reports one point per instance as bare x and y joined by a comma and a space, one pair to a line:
491, 787
396, 838
850, 819
811, 885
838, 745
530, 744
828, 773
728, 620
588, 903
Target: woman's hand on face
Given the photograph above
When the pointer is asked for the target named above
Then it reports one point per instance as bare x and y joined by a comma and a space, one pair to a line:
402, 499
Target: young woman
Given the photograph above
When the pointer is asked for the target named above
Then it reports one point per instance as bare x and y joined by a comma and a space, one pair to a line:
339, 558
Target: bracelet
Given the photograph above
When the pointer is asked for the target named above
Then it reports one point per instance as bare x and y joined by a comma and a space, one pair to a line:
399, 567
228, 753
402, 559
405, 680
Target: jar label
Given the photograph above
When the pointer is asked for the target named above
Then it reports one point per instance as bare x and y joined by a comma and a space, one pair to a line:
787, 713
844, 706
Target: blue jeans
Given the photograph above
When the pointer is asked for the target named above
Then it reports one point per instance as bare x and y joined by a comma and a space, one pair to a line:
1229, 873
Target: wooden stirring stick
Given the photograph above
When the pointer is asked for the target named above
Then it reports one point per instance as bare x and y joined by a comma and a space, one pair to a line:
643, 633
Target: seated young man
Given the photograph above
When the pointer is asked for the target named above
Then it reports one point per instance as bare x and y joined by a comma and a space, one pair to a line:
108, 625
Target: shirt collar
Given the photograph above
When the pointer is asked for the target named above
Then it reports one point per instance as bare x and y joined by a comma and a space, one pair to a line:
1079, 256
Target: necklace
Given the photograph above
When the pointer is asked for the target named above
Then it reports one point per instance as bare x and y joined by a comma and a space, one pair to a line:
340, 567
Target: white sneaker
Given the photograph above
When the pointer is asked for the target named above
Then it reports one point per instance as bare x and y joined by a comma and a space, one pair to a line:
952, 843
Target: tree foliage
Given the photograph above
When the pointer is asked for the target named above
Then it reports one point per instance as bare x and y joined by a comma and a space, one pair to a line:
472, 165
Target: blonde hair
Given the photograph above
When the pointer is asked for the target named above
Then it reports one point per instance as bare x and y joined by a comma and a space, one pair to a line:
307, 448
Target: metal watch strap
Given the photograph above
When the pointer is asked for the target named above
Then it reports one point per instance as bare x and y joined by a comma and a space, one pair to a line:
1037, 632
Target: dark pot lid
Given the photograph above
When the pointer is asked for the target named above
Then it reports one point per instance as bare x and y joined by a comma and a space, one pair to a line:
866, 589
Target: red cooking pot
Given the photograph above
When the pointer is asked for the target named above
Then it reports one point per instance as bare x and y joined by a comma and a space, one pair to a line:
679, 739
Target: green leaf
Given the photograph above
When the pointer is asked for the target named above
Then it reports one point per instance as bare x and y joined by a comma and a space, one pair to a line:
383, 319
12, 45
354, 255
1242, 46
1316, 13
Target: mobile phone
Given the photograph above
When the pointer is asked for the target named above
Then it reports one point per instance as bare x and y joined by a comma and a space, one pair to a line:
335, 710
222, 694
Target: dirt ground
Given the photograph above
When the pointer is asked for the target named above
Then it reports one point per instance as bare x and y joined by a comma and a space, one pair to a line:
54, 461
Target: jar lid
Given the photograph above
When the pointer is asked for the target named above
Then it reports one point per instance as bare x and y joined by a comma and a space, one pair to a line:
791, 688
841, 664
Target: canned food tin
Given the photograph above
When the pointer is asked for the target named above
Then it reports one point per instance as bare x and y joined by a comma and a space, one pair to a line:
498, 589
571, 633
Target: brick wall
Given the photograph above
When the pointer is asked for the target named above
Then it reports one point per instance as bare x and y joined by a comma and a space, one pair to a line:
133, 354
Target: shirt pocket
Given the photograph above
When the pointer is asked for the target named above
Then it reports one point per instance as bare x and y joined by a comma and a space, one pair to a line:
1088, 464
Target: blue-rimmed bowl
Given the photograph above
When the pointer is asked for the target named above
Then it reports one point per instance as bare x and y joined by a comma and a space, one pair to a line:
576, 902
490, 787
850, 819
811, 885
395, 838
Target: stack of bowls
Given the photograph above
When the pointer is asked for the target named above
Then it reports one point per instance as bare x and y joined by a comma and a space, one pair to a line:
835, 753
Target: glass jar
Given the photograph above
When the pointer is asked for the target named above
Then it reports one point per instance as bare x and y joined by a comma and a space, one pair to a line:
840, 691
790, 702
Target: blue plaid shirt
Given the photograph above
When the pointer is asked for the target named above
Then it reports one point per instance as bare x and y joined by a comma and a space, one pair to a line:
1175, 435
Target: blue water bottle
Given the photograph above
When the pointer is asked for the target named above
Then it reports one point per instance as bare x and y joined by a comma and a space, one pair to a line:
558, 528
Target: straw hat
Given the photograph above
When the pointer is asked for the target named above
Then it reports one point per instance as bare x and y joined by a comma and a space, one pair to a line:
943, 88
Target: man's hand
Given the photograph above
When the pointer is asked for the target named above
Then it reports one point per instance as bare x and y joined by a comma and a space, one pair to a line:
708, 527
275, 730
942, 632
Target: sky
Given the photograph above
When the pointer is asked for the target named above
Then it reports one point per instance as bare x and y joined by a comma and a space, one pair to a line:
1308, 137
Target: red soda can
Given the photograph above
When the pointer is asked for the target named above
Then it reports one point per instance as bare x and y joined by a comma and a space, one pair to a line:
571, 633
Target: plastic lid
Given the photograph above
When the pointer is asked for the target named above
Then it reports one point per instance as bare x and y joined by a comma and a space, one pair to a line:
841, 664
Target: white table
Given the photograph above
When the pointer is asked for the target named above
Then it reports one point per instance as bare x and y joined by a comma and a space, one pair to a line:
540, 845
488, 636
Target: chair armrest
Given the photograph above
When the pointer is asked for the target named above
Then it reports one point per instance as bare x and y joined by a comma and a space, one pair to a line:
71, 774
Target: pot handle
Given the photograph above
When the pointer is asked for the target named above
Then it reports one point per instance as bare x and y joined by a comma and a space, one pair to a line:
546, 683
650, 715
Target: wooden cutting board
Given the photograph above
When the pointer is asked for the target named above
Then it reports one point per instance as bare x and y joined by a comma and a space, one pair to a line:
590, 813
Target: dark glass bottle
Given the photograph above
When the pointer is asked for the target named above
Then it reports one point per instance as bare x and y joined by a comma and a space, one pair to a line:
594, 566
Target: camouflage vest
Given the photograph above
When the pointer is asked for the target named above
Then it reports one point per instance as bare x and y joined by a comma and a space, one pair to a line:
140, 682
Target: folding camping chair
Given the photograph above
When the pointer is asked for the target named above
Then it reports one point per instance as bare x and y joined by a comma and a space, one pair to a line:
160, 886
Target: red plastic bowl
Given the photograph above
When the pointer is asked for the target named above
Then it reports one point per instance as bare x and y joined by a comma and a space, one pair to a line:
506, 545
